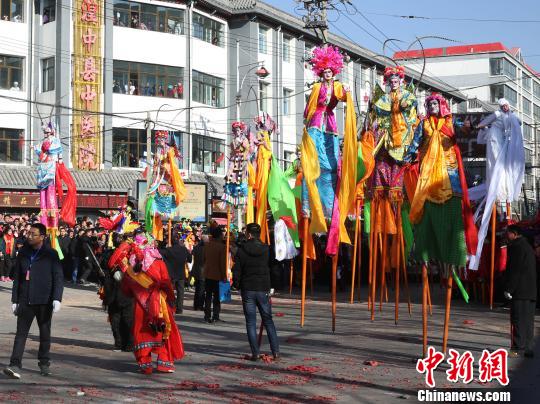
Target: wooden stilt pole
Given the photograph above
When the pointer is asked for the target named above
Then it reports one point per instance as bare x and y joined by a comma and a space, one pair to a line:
304, 264
492, 267
405, 276
374, 275
424, 309
359, 257
383, 256
447, 310
169, 241
398, 269
429, 296
371, 252
228, 242
355, 249
334, 280
291, 274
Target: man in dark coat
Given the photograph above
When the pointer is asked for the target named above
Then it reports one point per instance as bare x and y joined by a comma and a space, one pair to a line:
64, 241
197, 273
175, 258
38, 285
86, 260
251, 275
215, 270
520, 288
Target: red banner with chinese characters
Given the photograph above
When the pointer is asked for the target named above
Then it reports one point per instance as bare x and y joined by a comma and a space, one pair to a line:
87, 88
30, 200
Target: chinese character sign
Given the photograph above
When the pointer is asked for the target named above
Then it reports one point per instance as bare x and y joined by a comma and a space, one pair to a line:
87, 88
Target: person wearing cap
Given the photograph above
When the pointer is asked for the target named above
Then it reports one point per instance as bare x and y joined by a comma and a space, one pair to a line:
520, 289
251, 275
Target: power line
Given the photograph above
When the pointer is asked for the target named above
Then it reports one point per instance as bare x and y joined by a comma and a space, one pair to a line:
419, 17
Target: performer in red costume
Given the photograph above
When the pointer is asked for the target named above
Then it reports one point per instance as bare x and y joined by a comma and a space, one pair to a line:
145, 277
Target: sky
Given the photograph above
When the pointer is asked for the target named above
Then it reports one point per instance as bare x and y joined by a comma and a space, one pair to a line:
524, 34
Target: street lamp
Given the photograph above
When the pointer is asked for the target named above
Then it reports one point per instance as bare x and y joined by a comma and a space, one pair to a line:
261, 72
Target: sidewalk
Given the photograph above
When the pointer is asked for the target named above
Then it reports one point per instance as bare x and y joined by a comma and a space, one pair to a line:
363, 362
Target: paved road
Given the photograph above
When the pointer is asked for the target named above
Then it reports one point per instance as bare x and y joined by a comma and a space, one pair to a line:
363, 361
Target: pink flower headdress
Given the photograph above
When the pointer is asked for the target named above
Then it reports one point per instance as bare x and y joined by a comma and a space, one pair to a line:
394, 71
444, 109
326, 57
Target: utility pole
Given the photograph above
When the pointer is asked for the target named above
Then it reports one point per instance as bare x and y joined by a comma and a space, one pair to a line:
316, 16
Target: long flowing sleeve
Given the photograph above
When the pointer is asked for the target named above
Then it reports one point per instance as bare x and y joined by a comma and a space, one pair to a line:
412, 150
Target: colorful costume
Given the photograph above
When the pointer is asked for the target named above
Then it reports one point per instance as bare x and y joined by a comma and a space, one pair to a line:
166, 188
440, 209
146, 279
320, 151
51, 172
505, 164
120, 222
236, 187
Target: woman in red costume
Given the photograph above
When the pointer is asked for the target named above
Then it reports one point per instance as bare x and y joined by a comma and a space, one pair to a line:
145, 277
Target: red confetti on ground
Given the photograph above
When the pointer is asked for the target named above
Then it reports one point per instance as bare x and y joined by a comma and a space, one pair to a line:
280, 314
75, 329
468, 322
267, 358
305, 369
236, 366
190, 385
292, 340
290, 380
371, 363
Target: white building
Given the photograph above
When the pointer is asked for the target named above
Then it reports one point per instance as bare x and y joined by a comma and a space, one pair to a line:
183, 66
485, 73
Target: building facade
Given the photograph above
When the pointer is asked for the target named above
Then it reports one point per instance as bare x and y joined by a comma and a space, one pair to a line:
485, 73
110, 74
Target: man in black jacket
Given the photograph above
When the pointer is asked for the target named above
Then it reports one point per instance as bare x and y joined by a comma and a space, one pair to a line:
64, 240
175, 258
37, 292
520, 288
86, 260
252, 276
197, 273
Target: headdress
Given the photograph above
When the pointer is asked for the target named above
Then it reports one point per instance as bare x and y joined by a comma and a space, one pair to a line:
49, 128
264, 121
444, 109
503, 101
162, 135
394, 71
326, 57
239, 124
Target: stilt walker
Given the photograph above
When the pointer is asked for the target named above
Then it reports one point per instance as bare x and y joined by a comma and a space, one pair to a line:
166, 188
321, 200
392, 120
440, 209
51, 173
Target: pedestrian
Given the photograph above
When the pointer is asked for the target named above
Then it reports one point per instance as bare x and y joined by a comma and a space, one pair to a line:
119, 306
215, 270
37, 290
64, 240
197, 272
74, 251
520, 289
251, 275
176, 257
85, 251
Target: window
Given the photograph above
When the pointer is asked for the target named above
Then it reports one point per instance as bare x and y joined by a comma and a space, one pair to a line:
287, 97
148, 17
287, 43
529, 182
11, 145
500, 66
536, 112
263, 96
529, 154
134, 78
527, 105
503, 91
47, 75
49, 11
11, 68
208, 30
536, 89
263, 39
208, 154
526, 82
527, 132
12, 10
289, 158
209, 90
129, 146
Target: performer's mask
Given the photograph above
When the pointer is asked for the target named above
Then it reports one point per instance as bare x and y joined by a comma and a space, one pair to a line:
434, 108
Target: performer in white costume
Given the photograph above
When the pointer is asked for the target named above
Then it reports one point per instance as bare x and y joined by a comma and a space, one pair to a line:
501, 133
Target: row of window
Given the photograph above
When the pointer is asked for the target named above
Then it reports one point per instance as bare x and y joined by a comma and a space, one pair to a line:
502, 66
264, 33
13, 10
11, 73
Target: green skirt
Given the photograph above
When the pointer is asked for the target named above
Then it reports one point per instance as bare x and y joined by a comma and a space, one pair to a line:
440, 234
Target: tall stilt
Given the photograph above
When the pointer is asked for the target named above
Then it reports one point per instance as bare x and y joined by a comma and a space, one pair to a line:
492, 267
304, 262
371, 252
424, 309
377, 237
355, 249
398, 269
447, 310
383, 256
359, 257
291, 273
334, 280
169, 241
429, 296
405, 276
228, 242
